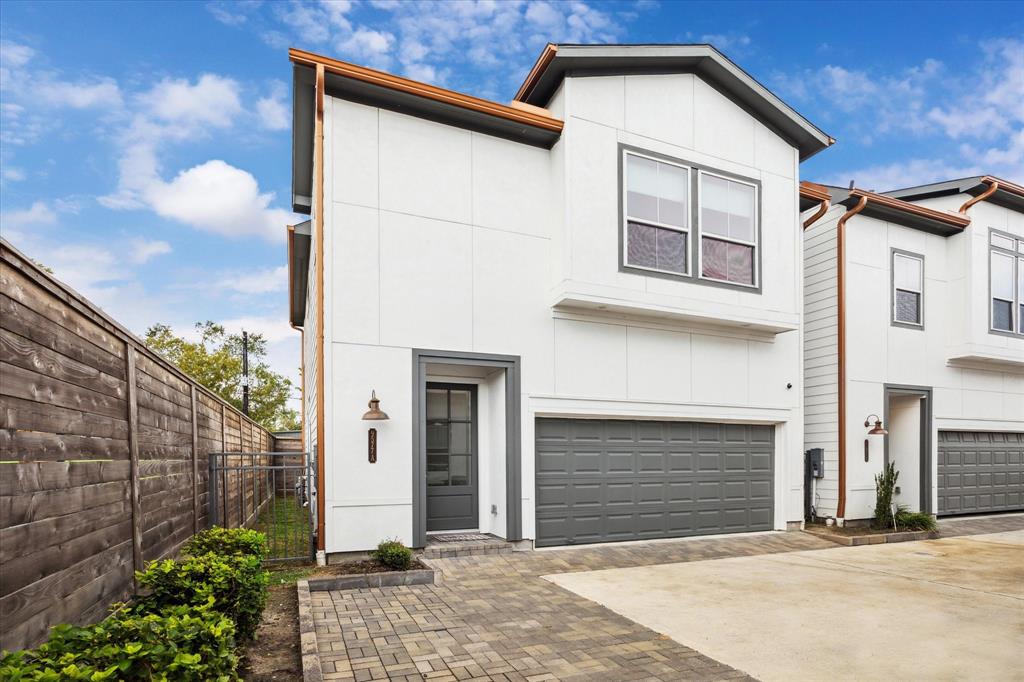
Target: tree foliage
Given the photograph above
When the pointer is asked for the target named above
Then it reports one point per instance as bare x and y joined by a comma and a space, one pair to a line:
215, 361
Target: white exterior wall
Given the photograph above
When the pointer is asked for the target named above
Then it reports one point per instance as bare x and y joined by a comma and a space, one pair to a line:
447, 239
982, 396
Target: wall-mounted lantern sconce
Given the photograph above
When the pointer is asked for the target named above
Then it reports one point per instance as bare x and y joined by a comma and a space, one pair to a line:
373, 414
876, 430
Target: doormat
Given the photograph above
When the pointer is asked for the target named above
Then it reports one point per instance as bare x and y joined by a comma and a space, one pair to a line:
459, 537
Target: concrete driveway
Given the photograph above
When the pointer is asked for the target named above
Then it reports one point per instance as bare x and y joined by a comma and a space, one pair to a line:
939, 610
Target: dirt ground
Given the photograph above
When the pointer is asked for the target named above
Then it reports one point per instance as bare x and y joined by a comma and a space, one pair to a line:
275, 654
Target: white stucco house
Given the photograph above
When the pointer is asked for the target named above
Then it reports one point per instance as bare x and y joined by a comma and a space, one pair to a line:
584, 312
929, 302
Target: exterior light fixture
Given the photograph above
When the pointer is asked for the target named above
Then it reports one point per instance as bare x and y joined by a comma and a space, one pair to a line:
877, 430
373, 414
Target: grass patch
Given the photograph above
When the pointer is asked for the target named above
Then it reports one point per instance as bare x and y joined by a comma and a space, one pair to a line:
287, 527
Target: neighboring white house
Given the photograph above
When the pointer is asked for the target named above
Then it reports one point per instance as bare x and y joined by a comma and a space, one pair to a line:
580, 311
934, 345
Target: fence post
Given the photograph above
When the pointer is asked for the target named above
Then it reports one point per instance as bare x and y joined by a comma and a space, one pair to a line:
195, 463
133, 450
212, 504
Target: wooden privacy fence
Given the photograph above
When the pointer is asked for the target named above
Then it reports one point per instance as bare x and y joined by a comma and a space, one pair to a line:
103, 455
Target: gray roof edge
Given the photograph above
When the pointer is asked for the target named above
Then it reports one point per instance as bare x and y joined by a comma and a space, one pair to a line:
632, 53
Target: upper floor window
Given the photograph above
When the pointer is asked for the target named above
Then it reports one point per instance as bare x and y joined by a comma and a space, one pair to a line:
728, 227
907, 288
1006, 270
657, 215
681, 220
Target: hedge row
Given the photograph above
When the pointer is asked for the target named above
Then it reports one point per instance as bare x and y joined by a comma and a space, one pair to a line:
184, 625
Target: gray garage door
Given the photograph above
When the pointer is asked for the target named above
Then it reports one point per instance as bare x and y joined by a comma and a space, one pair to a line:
609, 480
980, 472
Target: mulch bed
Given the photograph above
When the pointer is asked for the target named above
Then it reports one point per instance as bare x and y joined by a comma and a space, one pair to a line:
275, 654
360, 568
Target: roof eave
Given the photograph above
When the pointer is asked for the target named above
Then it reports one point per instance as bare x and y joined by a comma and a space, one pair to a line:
882, 207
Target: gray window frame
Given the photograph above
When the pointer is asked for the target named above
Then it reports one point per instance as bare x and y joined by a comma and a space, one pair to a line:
892, 289
1017, 320
693, 275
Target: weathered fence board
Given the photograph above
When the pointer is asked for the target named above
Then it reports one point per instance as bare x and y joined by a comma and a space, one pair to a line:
103, 455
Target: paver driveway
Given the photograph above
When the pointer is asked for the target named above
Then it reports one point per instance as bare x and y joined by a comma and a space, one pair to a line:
495, 617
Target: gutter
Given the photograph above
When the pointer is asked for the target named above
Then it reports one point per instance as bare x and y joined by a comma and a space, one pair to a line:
820, 194
993, 187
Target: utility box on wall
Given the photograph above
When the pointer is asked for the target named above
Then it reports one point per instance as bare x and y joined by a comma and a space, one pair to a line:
816, 462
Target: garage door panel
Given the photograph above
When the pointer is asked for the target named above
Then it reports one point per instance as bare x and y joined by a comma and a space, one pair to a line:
980, 472
647, 479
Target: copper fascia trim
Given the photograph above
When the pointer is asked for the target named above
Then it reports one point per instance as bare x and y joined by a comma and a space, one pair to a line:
1005, 185
993, 186
546, 55
318, 191
432, 92
841, 313
819, 193
953, 219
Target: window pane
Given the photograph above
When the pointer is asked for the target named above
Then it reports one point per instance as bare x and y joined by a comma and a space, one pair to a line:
908, 307
640, 245
460, 405
906, 273
741, 211
460, 439
671, 254
741, 264
1002, 315
642, 188
460, 473
1002, 276
672, 184
714, 205
714, 259
1002, 242
437, 403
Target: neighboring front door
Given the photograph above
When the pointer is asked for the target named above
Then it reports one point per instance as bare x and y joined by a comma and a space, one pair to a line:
451, 457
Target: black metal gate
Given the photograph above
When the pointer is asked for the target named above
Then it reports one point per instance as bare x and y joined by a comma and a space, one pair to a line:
272, 492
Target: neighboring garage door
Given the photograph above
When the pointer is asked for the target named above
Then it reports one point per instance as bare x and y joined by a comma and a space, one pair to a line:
610, 480
980, 471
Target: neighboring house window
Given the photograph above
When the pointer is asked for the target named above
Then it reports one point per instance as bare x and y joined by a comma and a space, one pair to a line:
1006, 270
728, 228
657, 215
907, 288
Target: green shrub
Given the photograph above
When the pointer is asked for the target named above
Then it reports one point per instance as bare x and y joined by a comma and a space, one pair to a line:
237, 584
908, 520
885, 485
180, 643
227, 541
393, 554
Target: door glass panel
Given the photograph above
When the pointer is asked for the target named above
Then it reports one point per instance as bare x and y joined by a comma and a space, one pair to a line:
437, 437
460, 405
437, 470
437, 403
460, 439
460, 472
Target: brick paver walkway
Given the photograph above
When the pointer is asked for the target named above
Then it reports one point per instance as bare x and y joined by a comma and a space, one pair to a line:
494, 617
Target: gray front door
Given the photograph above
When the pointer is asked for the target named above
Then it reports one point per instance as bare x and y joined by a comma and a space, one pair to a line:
451, 457
980, 471
608, 480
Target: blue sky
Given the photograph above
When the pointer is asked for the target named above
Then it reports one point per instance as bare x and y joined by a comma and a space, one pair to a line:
145, 147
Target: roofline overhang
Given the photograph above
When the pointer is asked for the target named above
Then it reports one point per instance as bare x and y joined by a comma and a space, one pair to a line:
555, 61
813, 194
298, 272
1008, 194
519, 122
883, 207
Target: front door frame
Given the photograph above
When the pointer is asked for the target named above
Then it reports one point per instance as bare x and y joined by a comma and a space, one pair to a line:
925, 462
512, 364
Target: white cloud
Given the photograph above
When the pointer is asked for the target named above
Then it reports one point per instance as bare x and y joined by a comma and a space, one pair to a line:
212, 101
13, 55
257, 282
726, 41
273, 110
102, 92
142, 250
13, 174
37, 214
886, 177
217, 197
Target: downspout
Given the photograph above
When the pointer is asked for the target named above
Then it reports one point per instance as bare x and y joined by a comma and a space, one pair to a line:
318, 224
993, 186
841, 312
822, 210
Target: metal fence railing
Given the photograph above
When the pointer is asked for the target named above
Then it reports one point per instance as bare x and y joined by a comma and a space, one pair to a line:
270, 492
